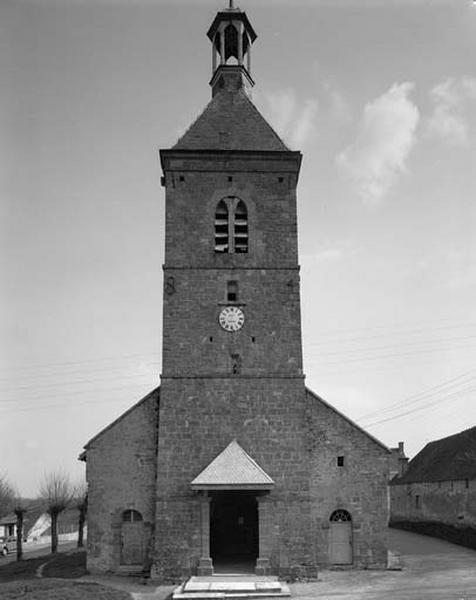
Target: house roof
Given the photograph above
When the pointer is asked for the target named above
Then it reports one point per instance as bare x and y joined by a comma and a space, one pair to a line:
366, 433
451, 458
155, 391
9, 519
233, 468
230, 121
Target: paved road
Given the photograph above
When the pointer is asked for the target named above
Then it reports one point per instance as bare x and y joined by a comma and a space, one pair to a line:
432, 570
33, 550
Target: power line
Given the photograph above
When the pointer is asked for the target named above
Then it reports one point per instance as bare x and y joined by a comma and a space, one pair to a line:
79, 362
69, 382
63, 405
418, 408
389, 334
397, 345
418, 397
384, 356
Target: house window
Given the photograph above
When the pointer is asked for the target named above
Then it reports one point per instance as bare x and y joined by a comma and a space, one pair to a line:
340, 461
231, 226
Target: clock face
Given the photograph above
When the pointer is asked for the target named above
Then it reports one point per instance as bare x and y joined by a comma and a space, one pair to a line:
231, 318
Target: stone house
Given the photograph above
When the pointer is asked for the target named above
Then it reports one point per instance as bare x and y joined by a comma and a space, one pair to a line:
37, 524
437, 493
232, 462
8, 525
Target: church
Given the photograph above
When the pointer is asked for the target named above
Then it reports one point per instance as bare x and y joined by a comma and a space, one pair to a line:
232, 464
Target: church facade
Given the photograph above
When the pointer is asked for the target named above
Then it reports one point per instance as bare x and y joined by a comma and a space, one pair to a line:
232, 460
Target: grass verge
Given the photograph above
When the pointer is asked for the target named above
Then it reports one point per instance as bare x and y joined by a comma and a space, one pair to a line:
64, 565
18, 580
59, 589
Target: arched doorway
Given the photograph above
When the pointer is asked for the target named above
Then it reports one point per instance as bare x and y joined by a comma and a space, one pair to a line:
340, 538
234, 531
132, 538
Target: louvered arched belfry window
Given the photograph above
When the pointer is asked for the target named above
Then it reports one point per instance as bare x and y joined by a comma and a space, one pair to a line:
231, 226
240, 224
222, 240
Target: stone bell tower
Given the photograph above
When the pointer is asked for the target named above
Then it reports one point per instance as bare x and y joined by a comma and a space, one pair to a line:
232, 465
232, 474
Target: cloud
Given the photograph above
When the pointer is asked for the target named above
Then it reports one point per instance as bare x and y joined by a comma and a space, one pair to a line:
450, 99
385, 137
293, 120
338, 105
331, 251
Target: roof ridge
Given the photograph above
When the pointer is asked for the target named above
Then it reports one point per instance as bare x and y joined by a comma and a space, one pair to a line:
346, 418
119, 418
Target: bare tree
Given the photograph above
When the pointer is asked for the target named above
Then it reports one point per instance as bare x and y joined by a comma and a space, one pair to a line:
57, 493
11, 501
81, 502
19, 508
7, 496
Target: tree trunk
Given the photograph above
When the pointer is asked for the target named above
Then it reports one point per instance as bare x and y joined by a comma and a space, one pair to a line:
54, 532
82, 519
19, 515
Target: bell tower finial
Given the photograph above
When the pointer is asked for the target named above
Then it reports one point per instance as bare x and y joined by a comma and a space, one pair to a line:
231, 35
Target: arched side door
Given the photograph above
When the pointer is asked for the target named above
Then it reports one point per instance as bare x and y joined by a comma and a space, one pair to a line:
132, 538
340, 538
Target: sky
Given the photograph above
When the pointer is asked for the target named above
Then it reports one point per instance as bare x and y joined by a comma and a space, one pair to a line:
379, 95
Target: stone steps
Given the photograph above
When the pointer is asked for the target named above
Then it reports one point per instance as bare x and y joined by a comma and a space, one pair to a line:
211, 588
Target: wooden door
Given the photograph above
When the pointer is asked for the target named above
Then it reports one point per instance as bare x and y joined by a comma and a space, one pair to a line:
132, 543
341, 542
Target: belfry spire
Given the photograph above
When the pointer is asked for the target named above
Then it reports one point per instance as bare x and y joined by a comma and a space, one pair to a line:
231, 35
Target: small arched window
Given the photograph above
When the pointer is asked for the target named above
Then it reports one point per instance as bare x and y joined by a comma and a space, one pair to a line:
131, 516
340, 516
231, 226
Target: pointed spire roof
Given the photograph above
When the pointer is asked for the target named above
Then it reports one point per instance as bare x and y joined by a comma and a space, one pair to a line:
232, 469
231, 121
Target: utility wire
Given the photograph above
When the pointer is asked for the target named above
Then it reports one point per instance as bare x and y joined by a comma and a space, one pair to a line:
75, 393
315, 361
418, 397
457, 394
399, 332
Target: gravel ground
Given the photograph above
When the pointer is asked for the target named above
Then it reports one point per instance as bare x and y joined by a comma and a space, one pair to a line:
432, 570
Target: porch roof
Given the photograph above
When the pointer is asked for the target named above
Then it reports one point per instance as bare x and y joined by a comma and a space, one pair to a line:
233, 469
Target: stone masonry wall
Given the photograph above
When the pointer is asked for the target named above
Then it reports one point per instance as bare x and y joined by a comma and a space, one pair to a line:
449, 502
269, 342
194, 188
359, 486
120, 470
199, 418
